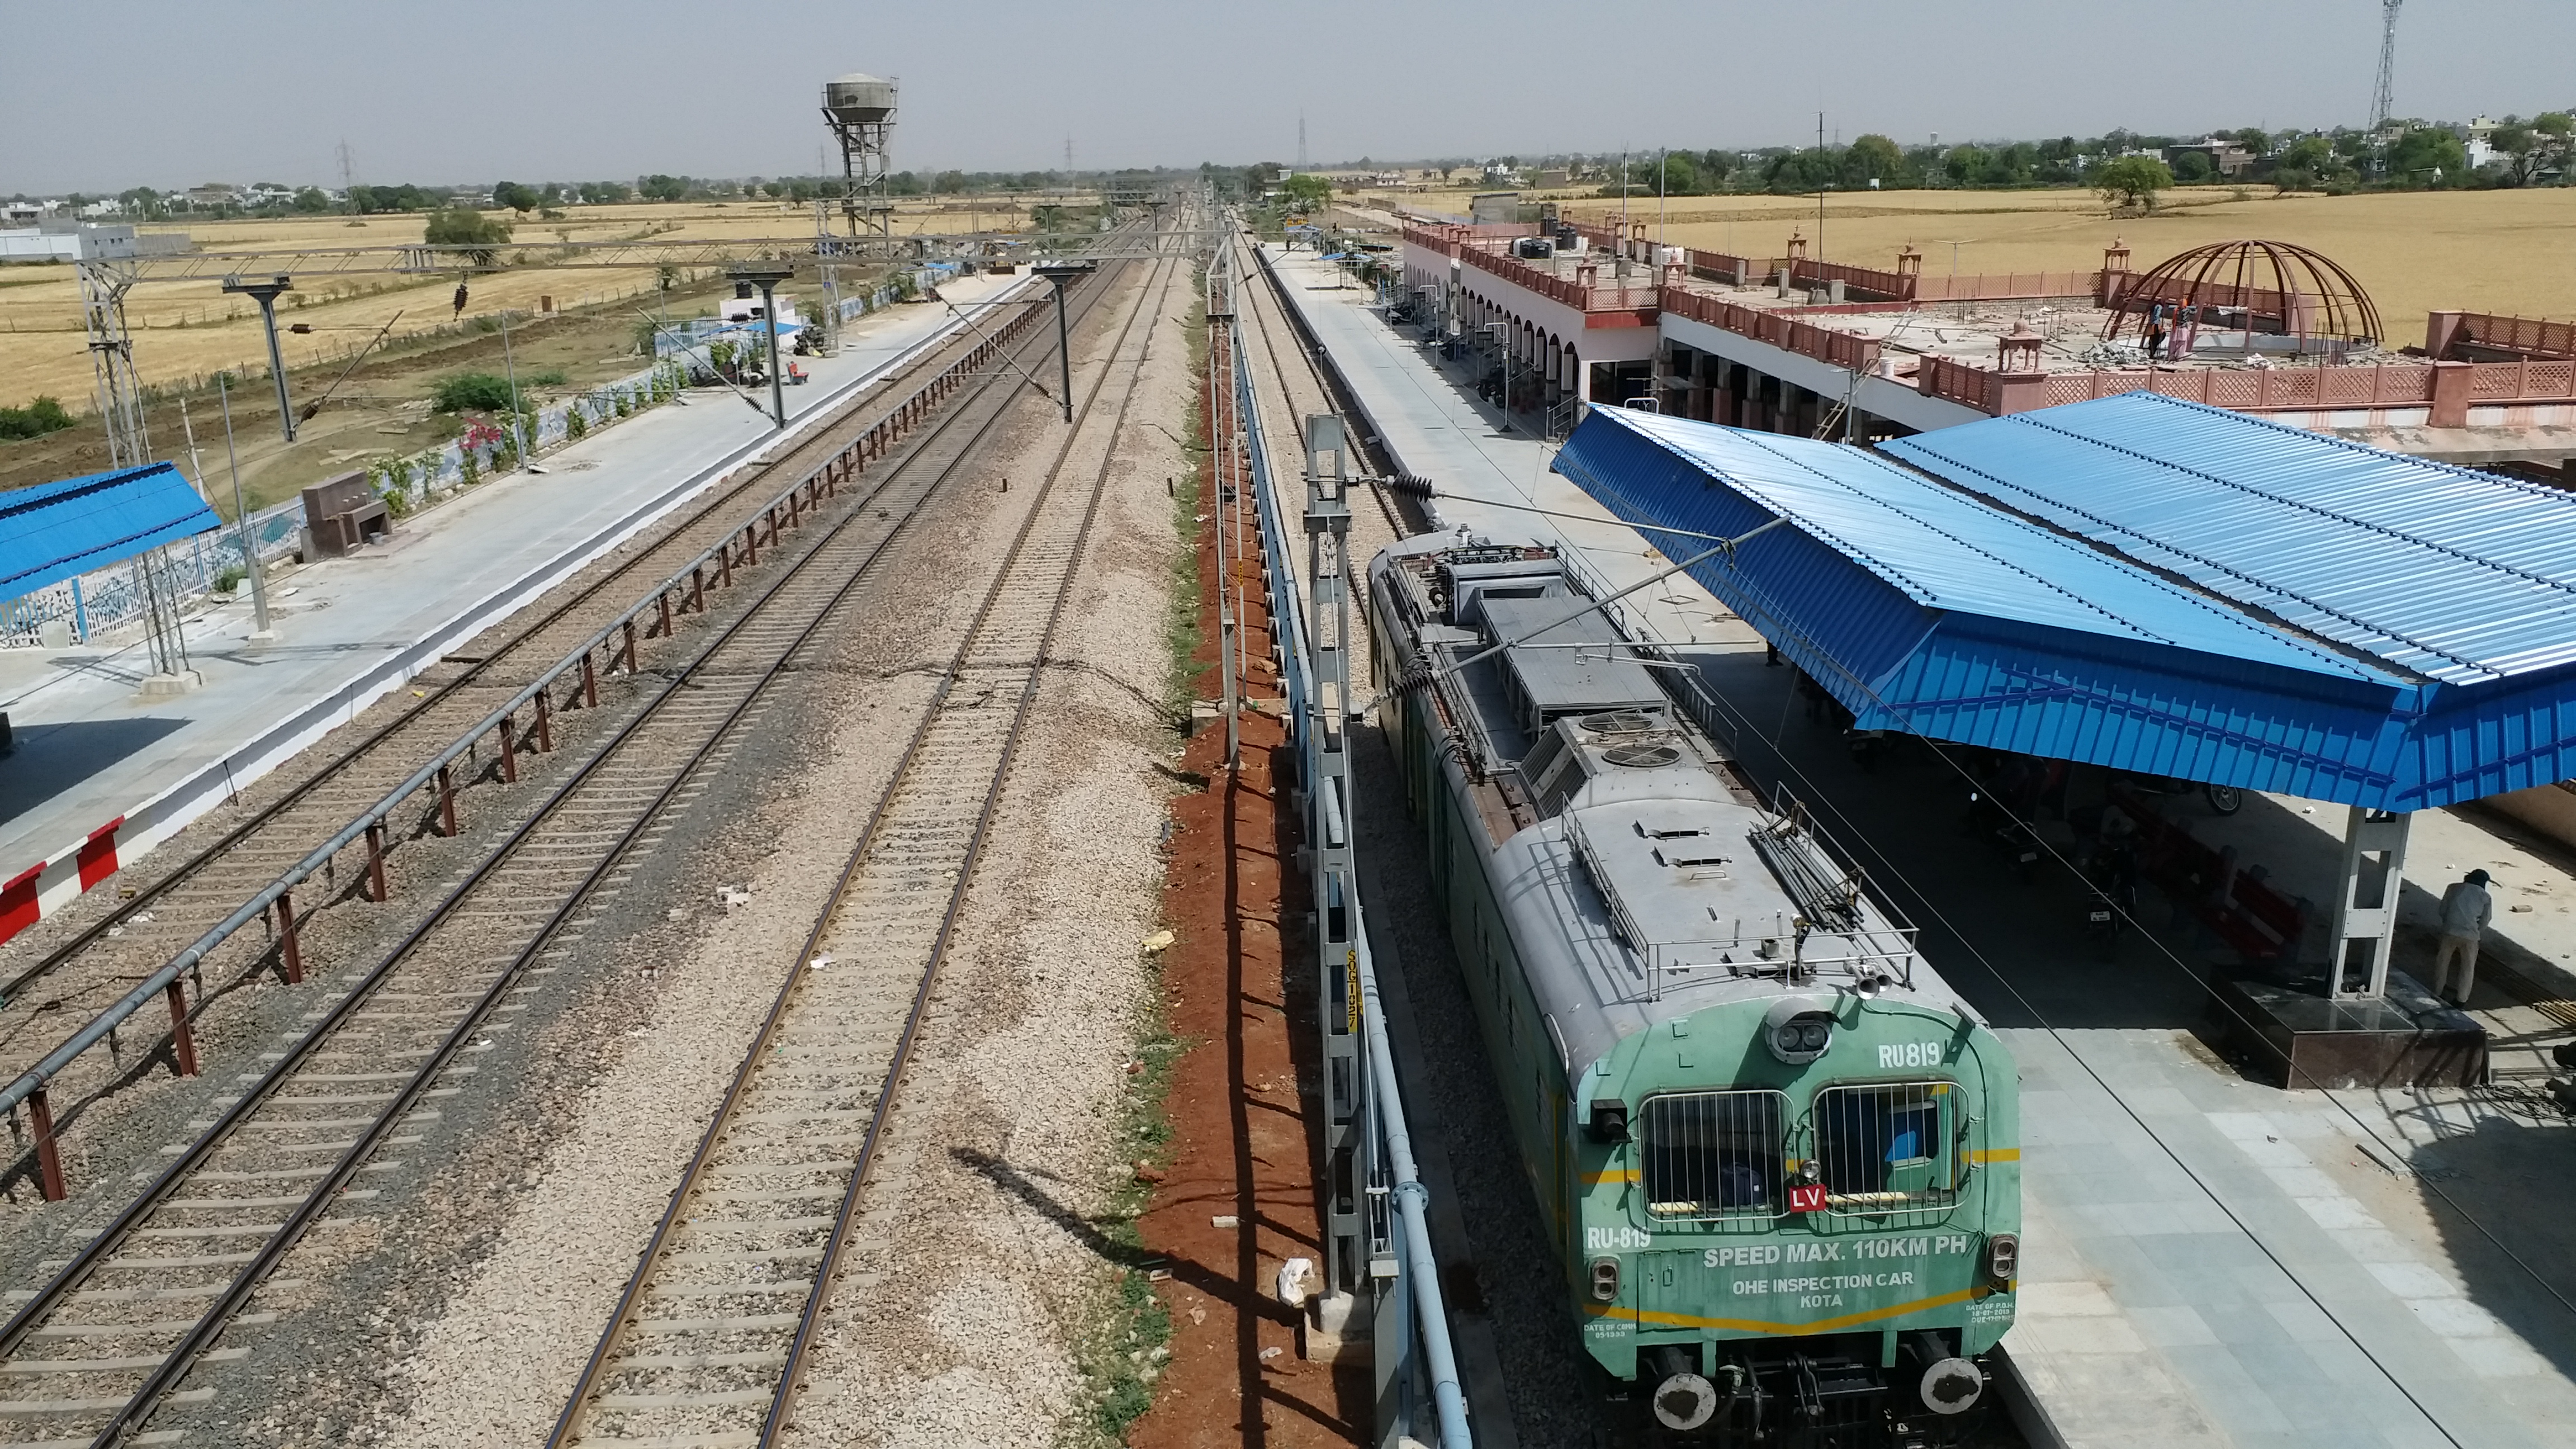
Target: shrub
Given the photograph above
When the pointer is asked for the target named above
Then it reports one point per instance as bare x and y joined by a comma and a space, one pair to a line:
575, 425
550, 377
474, 391
229, 577
44, 415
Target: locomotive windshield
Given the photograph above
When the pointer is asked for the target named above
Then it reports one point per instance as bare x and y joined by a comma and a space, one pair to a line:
1713, 1154
1888, 1150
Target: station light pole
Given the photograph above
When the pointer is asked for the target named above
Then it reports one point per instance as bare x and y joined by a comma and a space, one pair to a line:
1061, 273
765, 276
265, 291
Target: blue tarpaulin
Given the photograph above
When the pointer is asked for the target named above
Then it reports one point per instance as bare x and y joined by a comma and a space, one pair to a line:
56, 531
1940, 609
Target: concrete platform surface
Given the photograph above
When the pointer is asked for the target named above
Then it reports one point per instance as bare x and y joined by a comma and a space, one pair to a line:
2210, 1261
91, 749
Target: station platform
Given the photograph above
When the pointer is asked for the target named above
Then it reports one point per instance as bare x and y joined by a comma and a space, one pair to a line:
101, 773
2209, 1260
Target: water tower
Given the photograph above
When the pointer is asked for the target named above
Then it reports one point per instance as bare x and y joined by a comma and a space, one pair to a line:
860, 110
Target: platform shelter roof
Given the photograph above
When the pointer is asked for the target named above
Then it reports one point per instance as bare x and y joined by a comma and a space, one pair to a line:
54, 531
1932, 607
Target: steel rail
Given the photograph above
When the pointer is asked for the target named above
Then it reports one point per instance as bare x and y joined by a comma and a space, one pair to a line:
35, 1078
586, 1389
227, 1304
146, 895
782, 1406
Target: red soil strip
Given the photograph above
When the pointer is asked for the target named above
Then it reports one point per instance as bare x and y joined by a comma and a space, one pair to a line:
1241, 1144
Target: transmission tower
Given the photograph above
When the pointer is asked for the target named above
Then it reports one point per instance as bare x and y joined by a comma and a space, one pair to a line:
2383, 99
1301, 140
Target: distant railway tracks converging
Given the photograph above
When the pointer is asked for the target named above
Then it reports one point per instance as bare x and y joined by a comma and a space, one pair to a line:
708, 1344
134, 1323
189, 912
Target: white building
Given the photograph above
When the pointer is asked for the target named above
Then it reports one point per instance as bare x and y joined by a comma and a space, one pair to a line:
62, 240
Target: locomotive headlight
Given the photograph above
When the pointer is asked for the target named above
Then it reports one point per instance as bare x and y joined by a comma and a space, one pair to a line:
1798, 1029
1605, 1280
2003, 1257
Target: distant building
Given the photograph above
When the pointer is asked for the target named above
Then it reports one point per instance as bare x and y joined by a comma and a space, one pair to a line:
2225, 156
64, 240
213, 194
2480, 139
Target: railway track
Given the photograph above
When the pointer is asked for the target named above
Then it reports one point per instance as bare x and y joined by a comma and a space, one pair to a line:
192, 897
169, 905
708, 1344
142, 1319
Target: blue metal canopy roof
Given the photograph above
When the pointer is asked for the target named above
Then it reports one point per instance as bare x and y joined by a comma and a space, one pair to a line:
1924, 608
2451, 574
53, 531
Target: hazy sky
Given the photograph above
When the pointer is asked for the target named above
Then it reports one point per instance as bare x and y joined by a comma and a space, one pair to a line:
175, 92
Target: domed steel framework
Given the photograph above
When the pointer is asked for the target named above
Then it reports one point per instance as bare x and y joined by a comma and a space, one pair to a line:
2263, 287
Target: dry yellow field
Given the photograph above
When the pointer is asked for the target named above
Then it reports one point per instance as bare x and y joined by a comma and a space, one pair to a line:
184, 331
2482, 251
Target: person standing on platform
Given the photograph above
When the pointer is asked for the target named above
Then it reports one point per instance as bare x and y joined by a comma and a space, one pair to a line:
2465, 912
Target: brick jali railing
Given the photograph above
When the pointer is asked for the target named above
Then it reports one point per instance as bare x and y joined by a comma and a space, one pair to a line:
2534, 335
2449, 389
1842, 349
2007, 286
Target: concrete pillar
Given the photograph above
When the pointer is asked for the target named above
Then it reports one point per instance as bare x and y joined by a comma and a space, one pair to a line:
2441, 329
2451, 385
2365, 913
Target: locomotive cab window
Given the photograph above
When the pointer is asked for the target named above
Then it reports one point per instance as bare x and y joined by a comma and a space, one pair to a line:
1711, 1155
1888, 1148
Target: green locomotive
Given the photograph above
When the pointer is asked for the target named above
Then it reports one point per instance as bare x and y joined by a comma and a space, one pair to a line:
1778, 1155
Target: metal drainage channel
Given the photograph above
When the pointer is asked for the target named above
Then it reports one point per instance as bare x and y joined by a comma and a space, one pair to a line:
315, 806
616, 643
564, 857
743, 1249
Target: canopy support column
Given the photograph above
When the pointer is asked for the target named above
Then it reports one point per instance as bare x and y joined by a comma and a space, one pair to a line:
2365, 915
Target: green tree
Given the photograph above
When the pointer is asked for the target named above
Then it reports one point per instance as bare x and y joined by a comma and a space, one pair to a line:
312, 201
463, 226
602, 193
1680, 175
1966, 165
2191, 168
659, 187
2132, 181
2427, 156
1874, 158
1307, 191
948, 183
517, 196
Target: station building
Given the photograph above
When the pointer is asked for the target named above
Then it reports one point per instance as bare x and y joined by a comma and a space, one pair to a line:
1552, 315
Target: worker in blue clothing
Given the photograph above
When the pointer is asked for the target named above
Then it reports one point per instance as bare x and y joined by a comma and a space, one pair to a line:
2465, 912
